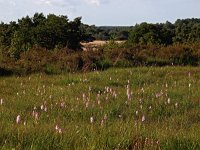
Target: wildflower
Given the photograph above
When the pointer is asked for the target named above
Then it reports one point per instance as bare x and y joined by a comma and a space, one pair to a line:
18, 119
168, 100
45, 108
42, 107
90, 88
129, 96
176, 105
143, 118
104, 119
58, 129
136, 112
35, 114
159, 94
91, 119
1, 102
102, 122
157, 142
84, 97
114, 94
189, 85
128, 92
98, 102
24, 123
150, 107
62, 104
142, 90
86, 104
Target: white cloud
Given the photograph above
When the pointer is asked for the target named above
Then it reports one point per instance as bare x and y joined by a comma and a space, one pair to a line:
13, 3
48, 2
93, 2
60, 3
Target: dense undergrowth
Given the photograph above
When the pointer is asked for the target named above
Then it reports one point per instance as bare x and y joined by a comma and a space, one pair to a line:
109, 55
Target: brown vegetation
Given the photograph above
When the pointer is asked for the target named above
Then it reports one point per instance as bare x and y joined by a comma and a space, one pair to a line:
110, 54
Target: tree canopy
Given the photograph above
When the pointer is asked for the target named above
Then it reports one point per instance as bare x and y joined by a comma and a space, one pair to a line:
182, 31
47, 32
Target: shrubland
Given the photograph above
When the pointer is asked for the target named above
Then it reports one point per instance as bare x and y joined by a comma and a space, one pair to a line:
112, 54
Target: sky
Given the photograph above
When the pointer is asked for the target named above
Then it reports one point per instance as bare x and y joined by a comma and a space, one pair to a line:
104, 12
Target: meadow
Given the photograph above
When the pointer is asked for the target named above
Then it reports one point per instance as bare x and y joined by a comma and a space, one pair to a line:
117, 109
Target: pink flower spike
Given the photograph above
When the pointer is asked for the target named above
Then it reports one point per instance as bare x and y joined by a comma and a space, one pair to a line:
143, 118
18, 119
1, 102
91, 119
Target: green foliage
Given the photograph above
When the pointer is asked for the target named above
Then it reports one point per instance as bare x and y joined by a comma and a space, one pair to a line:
6, 32
104, 64
47, 32
187, 30
20, 42
52, 32
151, 34
182, 31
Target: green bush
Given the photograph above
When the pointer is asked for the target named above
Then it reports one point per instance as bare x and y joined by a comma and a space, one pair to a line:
104, 64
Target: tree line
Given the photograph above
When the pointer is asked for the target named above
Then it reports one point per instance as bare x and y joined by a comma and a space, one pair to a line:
182, 31
53, 31
47, 32
52, 44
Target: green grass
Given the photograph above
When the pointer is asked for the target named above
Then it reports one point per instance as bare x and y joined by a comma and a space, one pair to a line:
72, 99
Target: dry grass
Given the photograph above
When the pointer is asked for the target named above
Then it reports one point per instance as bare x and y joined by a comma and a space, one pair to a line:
97, 43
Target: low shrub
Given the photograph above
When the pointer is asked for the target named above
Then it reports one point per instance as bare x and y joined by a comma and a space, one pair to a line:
63, 60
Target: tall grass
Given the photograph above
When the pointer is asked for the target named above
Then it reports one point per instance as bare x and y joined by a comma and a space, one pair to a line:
133, 108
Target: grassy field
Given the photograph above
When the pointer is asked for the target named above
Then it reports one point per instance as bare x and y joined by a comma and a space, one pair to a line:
134, 108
